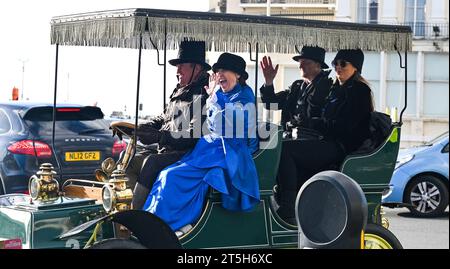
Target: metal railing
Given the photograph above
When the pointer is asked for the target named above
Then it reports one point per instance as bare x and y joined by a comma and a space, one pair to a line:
326, 15
422, 30
311, 2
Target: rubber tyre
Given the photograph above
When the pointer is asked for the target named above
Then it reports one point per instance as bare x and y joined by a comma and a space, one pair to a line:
378, 237
427, 183
117, 243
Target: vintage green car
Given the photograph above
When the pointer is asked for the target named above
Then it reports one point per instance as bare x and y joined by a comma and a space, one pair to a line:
94, 213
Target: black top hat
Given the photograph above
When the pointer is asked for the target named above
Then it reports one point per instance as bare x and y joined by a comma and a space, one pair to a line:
191, 52
316, 54
231, 62
355, 57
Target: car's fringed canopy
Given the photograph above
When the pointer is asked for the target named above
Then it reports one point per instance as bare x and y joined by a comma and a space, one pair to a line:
222, 32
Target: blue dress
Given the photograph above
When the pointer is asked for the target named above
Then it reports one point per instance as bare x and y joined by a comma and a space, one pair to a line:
221, 159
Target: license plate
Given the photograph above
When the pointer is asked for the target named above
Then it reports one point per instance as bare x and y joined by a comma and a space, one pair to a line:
82, 156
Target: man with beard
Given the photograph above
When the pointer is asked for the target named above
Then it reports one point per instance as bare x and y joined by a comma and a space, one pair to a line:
177, 130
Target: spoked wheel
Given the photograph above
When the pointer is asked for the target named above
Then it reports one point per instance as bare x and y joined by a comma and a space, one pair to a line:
427, 195
378, 237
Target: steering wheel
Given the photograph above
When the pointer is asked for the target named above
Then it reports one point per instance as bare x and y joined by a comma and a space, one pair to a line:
121, 128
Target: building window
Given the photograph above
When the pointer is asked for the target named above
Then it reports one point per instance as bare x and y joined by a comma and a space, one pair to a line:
395, 84
435, 85
415, 16
368, 11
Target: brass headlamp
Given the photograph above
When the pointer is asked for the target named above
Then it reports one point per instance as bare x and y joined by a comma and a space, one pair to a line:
108, 166
115, 195
44, 186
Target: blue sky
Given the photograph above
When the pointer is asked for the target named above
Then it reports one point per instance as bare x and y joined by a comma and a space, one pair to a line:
86, 75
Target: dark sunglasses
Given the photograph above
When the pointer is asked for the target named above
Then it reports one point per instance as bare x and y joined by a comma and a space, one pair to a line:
340, 63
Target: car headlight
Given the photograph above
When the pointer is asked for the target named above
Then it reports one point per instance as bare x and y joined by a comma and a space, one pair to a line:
403, 160
108, 198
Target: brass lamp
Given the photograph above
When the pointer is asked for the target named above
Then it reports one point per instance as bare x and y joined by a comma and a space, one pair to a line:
44, 186
115, 195
108, 166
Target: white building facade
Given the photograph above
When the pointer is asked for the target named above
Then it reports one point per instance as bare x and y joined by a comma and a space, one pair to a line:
427, 114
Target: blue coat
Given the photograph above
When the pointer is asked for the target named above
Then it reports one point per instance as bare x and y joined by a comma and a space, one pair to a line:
221, 159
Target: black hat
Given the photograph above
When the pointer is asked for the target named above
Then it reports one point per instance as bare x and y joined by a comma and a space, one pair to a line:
191, 52
355, 57
316, 54
231, 62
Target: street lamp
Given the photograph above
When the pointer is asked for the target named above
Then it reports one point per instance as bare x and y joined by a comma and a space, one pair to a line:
23, 76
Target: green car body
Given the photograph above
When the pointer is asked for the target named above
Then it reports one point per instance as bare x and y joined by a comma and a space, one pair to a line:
39, 225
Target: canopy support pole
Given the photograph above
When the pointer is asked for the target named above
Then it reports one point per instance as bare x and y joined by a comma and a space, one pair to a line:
256, 72
404, 66
165, 64
54, 113
157, 53
137, 90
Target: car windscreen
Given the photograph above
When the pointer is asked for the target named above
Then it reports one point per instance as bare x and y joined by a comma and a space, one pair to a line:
71, 120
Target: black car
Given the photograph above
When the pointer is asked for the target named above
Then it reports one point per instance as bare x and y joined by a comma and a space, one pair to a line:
82, 141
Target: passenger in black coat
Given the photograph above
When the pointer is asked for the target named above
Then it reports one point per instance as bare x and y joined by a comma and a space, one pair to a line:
344, 123
305, 98
177, 130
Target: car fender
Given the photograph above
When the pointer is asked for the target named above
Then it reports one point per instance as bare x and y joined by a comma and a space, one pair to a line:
422, 165
398, 183
150, 230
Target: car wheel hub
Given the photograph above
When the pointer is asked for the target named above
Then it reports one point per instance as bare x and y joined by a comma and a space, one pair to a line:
425, 197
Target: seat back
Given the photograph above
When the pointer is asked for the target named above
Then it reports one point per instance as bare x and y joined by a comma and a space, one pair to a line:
267, 158
374, 169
